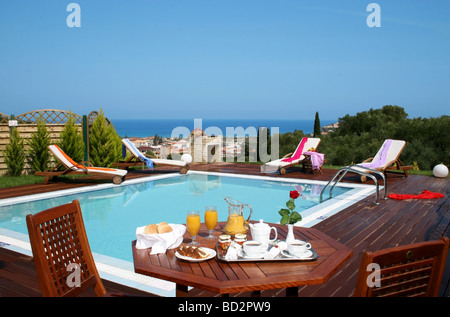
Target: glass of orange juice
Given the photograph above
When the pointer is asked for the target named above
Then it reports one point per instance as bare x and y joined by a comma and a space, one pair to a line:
210, 220
193, 225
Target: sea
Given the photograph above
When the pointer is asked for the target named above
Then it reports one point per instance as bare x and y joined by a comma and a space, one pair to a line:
142, 128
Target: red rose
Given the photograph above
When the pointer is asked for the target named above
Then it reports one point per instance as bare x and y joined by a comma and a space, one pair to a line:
294, 194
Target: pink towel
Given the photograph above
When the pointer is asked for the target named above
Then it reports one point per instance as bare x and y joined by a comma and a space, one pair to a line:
297, 153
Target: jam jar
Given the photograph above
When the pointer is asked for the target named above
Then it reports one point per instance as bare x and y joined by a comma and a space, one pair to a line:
224, 241
240, 238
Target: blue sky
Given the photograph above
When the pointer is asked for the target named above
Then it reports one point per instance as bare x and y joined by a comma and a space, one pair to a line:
225, 58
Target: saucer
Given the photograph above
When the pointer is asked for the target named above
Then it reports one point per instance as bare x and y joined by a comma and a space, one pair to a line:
304, 255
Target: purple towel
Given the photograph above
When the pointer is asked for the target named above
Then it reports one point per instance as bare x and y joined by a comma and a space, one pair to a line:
381, 159
316, 159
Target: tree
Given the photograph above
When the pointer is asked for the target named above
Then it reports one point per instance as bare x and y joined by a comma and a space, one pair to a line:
105, 146
289, 141
38, 152
71, 140
360, 136
371, 121
157, 140
317, 131
14, 154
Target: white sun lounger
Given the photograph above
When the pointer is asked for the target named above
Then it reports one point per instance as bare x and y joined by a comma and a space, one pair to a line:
139, 159
386, 160
72, 167
280, 166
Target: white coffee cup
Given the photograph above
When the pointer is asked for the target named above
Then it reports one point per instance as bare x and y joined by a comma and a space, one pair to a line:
298, 247
252, 248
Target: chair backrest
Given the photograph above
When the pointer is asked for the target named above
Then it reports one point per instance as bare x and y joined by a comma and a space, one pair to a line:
63, 157
311, 143
395, 149
61, 252
130, 146
308, 143
409, 270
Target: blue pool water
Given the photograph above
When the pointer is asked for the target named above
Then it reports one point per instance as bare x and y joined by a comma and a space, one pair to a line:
112, 214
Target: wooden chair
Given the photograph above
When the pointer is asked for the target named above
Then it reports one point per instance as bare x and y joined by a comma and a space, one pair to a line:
61, 252
409, 270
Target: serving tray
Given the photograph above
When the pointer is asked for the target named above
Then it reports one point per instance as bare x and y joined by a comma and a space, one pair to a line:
283, 256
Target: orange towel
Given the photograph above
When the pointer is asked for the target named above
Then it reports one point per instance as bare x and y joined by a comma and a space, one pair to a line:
426, 194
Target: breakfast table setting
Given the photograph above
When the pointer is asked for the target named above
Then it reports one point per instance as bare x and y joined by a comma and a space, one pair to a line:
236, 256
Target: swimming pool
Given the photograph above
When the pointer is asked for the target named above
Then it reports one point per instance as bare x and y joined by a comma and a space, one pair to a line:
111, 213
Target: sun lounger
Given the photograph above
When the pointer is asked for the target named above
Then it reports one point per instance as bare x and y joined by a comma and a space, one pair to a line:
71, 167
386, 160
139, 159
291, 159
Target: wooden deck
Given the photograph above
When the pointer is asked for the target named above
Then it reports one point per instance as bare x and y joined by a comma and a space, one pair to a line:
363, 226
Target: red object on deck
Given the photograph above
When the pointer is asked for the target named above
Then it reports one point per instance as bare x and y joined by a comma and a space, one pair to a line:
426, 194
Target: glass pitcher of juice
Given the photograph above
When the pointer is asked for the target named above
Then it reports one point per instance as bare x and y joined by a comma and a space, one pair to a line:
235, 222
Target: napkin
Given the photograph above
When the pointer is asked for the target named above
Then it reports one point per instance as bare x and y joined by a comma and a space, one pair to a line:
234, 251
272, 253
160, 242
282, 245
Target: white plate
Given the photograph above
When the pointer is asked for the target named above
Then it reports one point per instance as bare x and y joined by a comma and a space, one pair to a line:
305, 254
211, 254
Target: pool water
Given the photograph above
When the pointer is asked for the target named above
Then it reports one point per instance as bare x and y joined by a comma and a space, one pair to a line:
111, 215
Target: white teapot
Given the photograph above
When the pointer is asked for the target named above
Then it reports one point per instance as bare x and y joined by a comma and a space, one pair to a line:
261, 232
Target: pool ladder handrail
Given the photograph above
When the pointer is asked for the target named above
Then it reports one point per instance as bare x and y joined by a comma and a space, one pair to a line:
344, 170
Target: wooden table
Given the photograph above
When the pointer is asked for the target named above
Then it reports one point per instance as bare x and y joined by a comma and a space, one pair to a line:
233, 277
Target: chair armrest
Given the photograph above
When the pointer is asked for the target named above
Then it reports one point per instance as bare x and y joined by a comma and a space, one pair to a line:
88, 163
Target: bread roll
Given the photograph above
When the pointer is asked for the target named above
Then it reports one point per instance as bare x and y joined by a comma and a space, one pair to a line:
151, 229
163, 227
